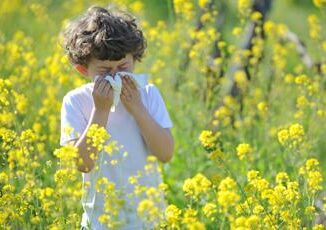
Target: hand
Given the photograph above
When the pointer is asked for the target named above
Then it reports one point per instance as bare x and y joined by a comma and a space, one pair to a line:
130, 96
102, 94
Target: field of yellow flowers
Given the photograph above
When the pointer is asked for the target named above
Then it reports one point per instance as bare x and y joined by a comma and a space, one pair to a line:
244, 82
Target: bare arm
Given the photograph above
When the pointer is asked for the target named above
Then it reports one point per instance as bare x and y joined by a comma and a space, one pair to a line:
159, 140
103, 98
85, 149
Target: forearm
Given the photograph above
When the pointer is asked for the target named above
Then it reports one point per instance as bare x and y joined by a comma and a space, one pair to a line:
86, 149
158, 139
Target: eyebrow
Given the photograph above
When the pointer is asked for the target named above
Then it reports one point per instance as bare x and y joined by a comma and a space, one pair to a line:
108, 68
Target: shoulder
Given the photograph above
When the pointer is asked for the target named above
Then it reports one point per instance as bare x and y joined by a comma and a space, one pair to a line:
79, 94
151, 90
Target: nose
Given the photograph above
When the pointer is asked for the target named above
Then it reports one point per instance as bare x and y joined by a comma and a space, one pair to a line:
112, 73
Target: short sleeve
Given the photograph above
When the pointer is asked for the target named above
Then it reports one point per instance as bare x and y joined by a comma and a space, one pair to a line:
157, 108
73, 123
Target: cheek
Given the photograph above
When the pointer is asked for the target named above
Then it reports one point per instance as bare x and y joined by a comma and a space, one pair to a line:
130, 66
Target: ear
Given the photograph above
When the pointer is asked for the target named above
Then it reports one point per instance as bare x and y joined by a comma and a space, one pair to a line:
81, 69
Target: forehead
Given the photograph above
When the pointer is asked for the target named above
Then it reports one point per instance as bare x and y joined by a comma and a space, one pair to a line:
109, 63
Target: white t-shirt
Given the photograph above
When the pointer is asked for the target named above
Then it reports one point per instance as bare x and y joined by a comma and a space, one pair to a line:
75, 113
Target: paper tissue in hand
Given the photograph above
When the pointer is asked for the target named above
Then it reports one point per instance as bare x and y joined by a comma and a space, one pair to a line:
115, 81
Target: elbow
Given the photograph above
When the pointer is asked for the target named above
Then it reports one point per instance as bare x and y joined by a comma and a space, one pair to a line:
84, 165
168, 154
85, 169
167, 158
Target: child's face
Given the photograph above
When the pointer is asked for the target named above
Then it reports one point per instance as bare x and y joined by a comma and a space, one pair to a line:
102, 68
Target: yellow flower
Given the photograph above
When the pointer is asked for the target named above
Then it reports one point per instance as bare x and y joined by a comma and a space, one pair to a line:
208, 139
197, 185
3, 178
172, 215
252, 175
310, 210
296, 132
226, 195
319, 227
253, 221
256, 16
203, 3
314, 26
137, 6
256, 181
97, 136
215, 154
227, 199
283, 136
319, 3
244, 6
209, 210
196, 226
315, 180
236, 31
240, 78
293, 135
262, 107
302, 102
282, 177
189, 216
147, 210
184, 8
244, 150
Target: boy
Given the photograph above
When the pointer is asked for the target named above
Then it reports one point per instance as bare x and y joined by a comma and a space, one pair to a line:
100, 43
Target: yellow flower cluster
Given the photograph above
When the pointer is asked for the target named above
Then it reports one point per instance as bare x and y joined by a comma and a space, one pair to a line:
240, 78
112, 204
97, 136
314, 27
190, 219
209, 210
12, 103
173, 216
319, 3
262, 108
196, 186
147, 210
184, 8
67, 155
311, 172
244, 151
203, 3
250, 222
208, 139
227, 195
223, 114
244, 6
291, 136
255, 182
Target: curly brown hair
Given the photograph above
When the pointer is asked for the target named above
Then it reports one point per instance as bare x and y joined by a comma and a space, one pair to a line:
104, 35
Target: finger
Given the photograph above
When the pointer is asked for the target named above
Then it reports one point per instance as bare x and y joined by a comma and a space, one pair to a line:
125, 93
131, 83
127, 87
107, 89
96, 78
97, 82
124, 81
102, 85
126, 97
123, 97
